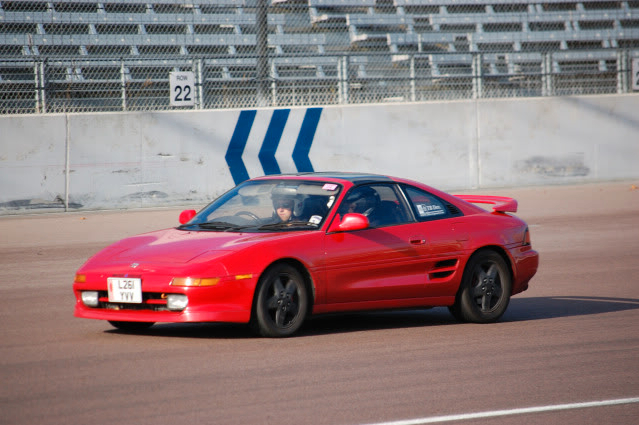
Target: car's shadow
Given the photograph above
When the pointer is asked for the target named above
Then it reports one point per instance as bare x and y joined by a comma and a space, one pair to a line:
564, 306
520, 309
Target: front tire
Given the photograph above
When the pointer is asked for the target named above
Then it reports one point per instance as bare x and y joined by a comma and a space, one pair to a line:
281, 302
485, 290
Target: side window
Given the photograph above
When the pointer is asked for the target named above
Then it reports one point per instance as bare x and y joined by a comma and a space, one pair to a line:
378, 202
426, 206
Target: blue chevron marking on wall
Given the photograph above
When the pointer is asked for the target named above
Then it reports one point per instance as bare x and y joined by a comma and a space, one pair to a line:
271, 142
237, 144
305, 140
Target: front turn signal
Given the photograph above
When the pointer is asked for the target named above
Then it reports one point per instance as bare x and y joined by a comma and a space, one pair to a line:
190, 281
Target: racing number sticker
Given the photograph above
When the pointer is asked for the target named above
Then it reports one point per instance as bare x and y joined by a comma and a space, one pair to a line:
182, 88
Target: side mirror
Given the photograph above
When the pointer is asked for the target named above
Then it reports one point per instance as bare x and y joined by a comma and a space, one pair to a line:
186, 216
349, 223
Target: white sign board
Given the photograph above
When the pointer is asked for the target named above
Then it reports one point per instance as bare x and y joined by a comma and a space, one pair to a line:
635, 74
182, 88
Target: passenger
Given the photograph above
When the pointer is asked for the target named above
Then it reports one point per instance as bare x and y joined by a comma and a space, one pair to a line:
362, 200
366, 201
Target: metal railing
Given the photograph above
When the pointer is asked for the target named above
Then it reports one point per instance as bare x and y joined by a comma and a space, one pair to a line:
71, 85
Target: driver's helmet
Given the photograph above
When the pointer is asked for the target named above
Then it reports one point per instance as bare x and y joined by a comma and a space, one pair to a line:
281, 201
361, 200
283, 196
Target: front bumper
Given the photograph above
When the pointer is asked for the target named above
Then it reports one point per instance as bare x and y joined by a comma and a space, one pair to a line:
228, 301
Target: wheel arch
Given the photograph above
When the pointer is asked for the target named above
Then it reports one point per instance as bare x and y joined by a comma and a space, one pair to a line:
300, 267
458, 310
501, 251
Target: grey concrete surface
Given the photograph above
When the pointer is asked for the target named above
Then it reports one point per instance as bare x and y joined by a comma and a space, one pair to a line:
572, 337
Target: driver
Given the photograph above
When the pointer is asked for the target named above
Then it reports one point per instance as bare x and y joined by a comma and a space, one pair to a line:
283, 206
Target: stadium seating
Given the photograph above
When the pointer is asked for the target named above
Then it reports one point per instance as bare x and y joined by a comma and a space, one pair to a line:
86, 42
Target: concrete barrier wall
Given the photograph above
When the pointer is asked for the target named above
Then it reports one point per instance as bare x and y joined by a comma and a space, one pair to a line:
127, 160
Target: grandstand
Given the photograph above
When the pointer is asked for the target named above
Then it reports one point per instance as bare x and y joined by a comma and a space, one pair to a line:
115, 55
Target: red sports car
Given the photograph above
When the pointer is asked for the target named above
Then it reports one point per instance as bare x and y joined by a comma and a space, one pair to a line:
276, 249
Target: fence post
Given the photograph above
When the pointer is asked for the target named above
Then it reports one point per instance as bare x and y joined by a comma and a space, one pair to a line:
340, 79
412, 78
477, 77
261, 21
546, 75
199, 83
123, 84
622, 71
36, 81
343, 80
40, 92
274, 100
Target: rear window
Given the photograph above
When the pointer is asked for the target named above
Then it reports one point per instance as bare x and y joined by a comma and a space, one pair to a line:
427, 206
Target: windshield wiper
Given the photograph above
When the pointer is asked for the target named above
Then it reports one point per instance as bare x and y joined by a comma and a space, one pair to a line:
286, 225
222, 226
213, 225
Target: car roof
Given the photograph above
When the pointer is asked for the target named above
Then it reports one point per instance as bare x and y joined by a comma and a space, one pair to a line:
356, 179
353, 177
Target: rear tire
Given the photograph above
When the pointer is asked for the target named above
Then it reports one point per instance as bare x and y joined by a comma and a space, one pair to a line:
131, 326
281, 302
485, 290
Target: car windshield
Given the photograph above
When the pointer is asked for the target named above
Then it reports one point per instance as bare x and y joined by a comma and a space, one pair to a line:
268, 205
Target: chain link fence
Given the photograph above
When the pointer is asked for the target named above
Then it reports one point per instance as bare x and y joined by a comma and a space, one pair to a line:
119, 55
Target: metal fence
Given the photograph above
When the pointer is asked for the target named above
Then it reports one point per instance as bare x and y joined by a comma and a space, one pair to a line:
124, 55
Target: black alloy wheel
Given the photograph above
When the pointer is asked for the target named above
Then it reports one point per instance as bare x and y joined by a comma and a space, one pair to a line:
281, 302
485, 290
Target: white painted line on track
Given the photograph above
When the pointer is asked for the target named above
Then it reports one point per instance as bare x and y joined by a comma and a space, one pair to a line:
520, 411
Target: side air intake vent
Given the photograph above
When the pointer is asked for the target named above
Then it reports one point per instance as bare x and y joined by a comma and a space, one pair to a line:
443, 269
453, 210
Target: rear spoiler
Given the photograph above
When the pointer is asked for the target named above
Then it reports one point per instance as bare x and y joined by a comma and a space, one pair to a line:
501, 203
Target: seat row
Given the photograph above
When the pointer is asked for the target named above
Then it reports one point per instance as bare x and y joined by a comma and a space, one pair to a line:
122, 28
310, 38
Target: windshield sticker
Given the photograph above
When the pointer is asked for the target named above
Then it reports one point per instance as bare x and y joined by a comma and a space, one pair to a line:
316, 219
331, 199
329, 186
429, 210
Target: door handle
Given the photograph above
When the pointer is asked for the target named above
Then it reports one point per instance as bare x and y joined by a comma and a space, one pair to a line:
417, 241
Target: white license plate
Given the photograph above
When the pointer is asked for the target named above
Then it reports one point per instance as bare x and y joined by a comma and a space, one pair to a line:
125, 290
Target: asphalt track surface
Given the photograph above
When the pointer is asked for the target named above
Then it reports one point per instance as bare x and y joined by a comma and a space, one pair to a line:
572, 338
